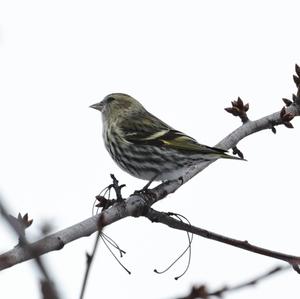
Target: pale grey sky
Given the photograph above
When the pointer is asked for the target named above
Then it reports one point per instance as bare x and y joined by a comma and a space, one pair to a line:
185, 61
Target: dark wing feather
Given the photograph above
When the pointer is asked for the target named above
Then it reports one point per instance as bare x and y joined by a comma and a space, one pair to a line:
152, 131
142, 127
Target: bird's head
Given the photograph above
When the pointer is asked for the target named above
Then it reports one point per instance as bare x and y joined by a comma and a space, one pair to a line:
117, 104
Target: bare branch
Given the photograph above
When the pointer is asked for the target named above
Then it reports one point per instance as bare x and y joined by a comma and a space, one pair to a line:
56, 241
166, 219
138, 204
202, 292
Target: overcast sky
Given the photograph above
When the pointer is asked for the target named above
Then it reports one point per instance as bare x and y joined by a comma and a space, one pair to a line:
185, 61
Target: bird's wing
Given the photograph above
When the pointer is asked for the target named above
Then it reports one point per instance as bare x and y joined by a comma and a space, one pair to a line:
143, 127
152, 131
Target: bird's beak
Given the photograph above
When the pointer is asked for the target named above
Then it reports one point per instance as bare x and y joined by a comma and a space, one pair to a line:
97, 106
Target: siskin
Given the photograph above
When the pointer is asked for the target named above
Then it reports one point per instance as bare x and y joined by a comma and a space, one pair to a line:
146, 147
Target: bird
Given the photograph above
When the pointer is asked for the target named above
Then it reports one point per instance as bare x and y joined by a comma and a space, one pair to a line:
146, 147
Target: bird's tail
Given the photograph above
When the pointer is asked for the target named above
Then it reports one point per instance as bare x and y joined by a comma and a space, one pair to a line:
227, 156
220, 153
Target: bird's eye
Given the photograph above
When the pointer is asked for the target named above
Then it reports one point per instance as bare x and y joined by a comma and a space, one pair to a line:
110, 99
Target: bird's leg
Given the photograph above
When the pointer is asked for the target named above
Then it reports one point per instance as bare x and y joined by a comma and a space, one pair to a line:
146, 187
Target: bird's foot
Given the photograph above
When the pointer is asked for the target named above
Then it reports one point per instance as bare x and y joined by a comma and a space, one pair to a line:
145, 189
145, 192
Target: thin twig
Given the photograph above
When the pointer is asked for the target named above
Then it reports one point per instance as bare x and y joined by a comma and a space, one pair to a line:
188, 248
47, 285
90, 258
251, 282
202, 292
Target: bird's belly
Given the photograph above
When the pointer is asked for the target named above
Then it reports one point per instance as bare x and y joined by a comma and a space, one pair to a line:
149, 162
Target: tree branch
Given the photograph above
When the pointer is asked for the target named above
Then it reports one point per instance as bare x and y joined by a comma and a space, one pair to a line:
202, 292
166, 219
138, 205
